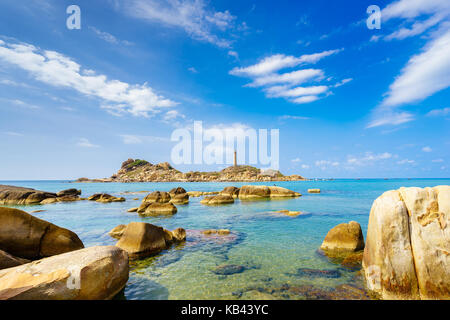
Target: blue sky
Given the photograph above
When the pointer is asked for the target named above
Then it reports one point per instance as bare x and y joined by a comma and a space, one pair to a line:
348, 101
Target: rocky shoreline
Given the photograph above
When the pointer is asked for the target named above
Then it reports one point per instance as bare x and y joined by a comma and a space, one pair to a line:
136, 170
405, 256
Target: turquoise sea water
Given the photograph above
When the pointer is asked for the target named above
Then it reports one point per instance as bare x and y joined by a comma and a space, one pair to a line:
270, 246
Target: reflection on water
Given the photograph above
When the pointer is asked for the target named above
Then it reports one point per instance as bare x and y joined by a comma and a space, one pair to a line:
267, 255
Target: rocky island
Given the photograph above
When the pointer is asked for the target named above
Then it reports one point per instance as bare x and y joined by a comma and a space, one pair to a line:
136, 170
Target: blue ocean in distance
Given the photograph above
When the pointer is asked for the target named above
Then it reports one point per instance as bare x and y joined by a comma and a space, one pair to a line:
271, 247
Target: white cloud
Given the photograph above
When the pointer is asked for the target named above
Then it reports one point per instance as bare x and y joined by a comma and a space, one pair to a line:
109, 37
296, 160
427, 149
425, 74
233, 54
368, 158
305, 99
295, 92
58, 70
305, 166
264, 74
406, 161
384, 116
292, 78
342, 82
138, 139
193, 70
325, 163
85, 143
193, 16
172, 114
280, 61
289, 117
438, 112
14, 134
22, 104
437, 160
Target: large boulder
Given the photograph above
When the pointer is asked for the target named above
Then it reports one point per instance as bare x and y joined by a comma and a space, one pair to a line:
280, 192
9, 261
29, 237
94, 273
344, 238
407, 254
230, 191
180, 198
157, 209
176, 191
263, 192
217, 200
12, 195
254, 192
156, 196
141, 239
69, 192
105, 198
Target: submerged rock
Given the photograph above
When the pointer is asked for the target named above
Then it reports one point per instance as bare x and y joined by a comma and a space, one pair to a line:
29, 237
407, 254
317, 273
94, 273
221, 232
228, 269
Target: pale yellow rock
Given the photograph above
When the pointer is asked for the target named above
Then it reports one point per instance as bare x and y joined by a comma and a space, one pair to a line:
430, 238
94, 273
408, 244
344, 237
117, 232
313, 190
133, 209
217, 200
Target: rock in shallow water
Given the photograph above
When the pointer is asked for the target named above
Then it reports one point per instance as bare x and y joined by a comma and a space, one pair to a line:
407, 254
25, 236
141, 239
93, 273
317, 273
228, 269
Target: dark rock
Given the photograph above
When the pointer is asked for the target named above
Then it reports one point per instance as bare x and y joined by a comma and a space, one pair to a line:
229, 269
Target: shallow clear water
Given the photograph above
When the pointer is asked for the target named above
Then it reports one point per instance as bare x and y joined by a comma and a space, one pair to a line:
270, 246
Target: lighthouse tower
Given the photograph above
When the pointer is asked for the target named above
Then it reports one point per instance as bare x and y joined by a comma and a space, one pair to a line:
235, 158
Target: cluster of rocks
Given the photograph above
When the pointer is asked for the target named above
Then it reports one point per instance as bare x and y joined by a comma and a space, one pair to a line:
136, 170
105, 198
39, 260
162, 203
407, 250
12, 195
